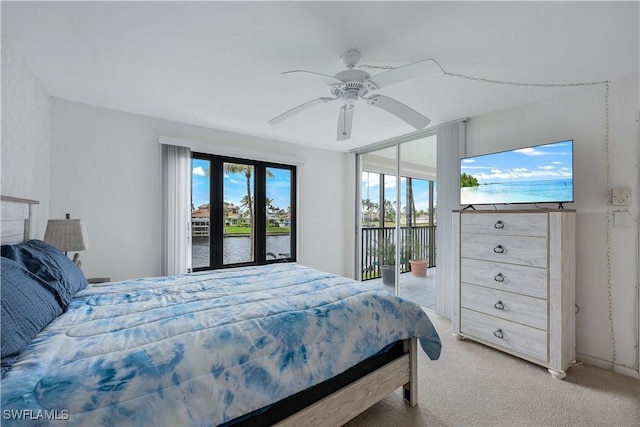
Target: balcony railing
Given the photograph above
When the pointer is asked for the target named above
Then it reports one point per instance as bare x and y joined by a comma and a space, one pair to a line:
424, 236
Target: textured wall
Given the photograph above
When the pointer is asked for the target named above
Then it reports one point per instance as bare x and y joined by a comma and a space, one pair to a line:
26, 133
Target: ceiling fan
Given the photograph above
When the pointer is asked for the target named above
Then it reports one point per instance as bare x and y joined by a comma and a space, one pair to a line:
352, 84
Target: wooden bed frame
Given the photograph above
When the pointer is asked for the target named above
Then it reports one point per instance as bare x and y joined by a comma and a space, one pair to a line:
17, 217
353, 399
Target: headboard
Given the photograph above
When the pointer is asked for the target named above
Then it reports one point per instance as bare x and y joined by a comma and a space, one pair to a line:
17, 219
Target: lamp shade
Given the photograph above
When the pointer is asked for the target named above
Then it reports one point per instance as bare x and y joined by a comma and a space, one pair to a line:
67, 234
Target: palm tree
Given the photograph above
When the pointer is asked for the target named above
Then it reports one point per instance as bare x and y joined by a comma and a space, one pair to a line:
232, 168
246, 203
272, 210
389, 211
370, 210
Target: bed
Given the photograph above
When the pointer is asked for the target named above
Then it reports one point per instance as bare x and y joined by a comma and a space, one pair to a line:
279, 344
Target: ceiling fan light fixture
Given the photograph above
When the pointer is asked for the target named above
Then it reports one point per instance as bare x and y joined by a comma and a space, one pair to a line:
350, 96
351, 84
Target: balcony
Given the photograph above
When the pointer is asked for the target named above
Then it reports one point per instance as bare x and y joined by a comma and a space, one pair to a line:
410, 237
420, 290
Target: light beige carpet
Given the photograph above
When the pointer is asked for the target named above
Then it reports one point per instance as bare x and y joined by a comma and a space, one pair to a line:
473, 385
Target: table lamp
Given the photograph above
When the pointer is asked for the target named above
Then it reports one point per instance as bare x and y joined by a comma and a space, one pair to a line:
67, 235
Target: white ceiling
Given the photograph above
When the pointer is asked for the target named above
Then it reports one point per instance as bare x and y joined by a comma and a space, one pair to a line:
219, 64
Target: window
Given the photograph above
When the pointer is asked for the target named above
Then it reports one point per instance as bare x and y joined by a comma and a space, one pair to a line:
243, 212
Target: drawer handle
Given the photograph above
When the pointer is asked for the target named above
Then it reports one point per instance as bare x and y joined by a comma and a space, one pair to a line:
498, 224
499, 305
499, 249
499, 334
498, 277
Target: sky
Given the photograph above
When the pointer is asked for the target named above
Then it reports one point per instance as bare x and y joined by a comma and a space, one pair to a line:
537, 163
235, 186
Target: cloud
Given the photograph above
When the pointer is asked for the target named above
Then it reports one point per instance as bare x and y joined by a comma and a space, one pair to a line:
468, 160
529, 151
467, 167
199, 171
547, 167
520, 174
389, 181
231, 180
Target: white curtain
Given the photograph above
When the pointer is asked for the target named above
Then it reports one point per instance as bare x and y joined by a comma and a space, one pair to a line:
176, 239
451, 147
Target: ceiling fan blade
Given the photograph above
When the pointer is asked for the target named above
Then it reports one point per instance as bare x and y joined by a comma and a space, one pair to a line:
424, 68
345, 120
299, 108
330, 80
399, 110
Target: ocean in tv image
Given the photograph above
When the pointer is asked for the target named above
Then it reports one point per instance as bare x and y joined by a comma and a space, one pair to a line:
536, 174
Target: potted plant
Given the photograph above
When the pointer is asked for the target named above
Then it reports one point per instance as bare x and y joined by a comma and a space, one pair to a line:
418, 258
385, 251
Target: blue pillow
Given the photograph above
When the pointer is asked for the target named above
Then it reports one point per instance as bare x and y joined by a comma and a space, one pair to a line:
28, 305
49, 264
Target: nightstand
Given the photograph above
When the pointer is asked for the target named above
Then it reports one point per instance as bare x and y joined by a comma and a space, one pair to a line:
99, 279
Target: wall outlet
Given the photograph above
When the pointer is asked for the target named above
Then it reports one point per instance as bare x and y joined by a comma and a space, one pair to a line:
621, 196
621, 219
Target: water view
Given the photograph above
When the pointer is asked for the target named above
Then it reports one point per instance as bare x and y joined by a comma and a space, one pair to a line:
518, 192
236, 249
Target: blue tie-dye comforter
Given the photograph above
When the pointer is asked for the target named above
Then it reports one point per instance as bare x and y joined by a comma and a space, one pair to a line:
202, 348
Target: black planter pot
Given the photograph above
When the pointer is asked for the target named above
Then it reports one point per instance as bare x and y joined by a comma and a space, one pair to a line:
389, 275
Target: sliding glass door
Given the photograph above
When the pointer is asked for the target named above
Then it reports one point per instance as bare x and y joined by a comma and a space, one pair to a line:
378, 246
397, 218
417, 222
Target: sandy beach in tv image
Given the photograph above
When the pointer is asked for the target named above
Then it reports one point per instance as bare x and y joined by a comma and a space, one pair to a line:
536, 174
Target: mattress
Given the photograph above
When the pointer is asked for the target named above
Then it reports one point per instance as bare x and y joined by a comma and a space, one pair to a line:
202, 348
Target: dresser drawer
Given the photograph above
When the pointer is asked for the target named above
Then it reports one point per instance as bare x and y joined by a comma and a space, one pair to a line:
517, 224
531, 281
510, 336
505, 305
531, 251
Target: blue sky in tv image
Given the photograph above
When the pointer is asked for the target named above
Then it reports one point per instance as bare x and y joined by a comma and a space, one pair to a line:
535, 174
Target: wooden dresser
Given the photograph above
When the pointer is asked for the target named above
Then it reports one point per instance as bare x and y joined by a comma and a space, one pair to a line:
514, 278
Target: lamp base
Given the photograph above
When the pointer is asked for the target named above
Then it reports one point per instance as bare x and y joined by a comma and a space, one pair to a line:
76, 259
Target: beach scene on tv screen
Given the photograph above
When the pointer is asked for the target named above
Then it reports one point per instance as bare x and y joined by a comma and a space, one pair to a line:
537, 174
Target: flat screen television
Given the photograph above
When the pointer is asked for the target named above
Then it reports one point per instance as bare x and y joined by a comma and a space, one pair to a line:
535, 174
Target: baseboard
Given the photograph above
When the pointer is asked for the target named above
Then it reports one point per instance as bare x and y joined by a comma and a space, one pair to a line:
607, 365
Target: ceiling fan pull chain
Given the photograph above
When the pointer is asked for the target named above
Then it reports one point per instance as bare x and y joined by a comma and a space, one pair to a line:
344, 121
526, 84
379, 67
